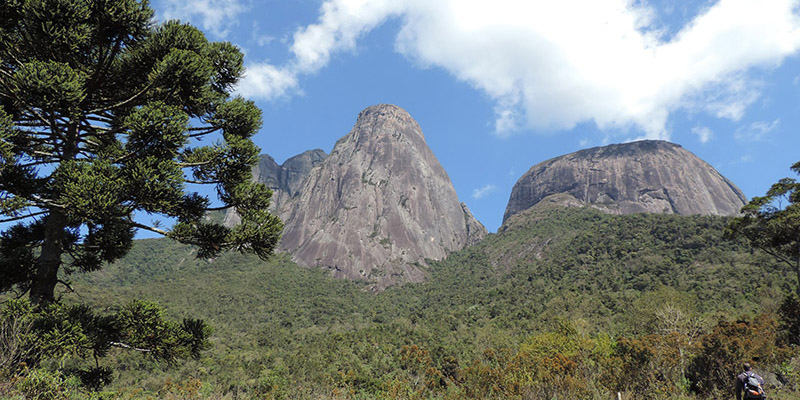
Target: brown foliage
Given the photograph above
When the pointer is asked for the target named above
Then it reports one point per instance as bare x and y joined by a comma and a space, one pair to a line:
653, 366
723, 351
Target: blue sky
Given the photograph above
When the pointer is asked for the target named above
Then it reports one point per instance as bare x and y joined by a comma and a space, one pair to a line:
498, 86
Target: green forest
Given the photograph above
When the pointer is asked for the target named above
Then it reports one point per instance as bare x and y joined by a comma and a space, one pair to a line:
562, 303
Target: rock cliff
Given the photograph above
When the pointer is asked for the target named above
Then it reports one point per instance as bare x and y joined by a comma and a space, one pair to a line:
285, 181
647, 176
378, 205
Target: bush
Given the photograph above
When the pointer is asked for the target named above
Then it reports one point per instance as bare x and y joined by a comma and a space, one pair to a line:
723, 351
40, 384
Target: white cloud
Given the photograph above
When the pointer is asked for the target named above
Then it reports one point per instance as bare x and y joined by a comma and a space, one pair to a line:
483, 192
703, 133
266, 81
216, 16
756, 132
550, 65
341, 22
263, 40
729, 98
507, 121
258, 37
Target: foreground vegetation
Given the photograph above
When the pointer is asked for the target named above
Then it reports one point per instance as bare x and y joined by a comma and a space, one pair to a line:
562, 303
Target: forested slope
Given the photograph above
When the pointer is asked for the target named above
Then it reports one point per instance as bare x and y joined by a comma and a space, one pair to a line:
568, 282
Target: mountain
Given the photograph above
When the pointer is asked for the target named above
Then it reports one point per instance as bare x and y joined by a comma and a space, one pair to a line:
378, 206
285, 180
647, 176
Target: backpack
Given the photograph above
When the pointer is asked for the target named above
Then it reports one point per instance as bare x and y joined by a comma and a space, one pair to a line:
752, 387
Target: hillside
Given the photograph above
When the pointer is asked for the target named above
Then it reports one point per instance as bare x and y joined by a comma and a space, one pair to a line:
605, 274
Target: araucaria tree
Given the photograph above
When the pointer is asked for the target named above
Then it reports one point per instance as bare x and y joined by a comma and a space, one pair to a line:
105, 115
772, 222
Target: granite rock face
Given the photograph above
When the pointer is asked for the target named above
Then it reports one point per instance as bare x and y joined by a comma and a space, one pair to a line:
378, 205
285, 180
640, 177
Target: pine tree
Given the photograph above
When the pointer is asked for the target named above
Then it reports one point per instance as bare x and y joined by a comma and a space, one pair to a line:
105, 115
772, 223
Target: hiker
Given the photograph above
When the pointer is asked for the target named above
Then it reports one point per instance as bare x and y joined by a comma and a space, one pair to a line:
749, 384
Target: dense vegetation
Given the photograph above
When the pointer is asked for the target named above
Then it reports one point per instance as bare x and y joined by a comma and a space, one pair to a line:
106, 116
109, 119
567, 303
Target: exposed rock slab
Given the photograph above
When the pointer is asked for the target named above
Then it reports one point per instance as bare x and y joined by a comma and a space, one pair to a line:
285, 180
640, 177
378, 205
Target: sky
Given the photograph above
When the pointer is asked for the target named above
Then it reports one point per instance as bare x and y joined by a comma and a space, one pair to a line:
499, 86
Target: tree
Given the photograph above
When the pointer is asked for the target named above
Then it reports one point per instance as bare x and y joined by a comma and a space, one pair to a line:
99, 110
772, 223
55, 331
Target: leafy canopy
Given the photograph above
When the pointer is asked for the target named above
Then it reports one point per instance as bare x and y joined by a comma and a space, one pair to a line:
66, 332
772, 222
101, 111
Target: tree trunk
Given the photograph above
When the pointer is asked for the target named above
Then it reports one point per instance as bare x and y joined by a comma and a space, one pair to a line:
44, 283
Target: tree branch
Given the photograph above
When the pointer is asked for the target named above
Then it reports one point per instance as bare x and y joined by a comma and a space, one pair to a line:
98, 118
129, 347
94, 128
29, 123
202, 182
124, 102
200, 132
202, 128
47, 202
33, 111
100, 68
91, 142
2, 221
221, 208
777, 255
69, 287
42, 153
148, 228
189, 165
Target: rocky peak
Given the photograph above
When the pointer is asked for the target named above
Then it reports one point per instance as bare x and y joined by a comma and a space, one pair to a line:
646, 176
284, 180
378, 205
294, 170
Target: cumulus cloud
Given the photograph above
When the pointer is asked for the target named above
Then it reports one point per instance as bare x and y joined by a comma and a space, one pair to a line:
215, 16
340, 24
703, 133
756, 131
550, 65
483, 192
262, 80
